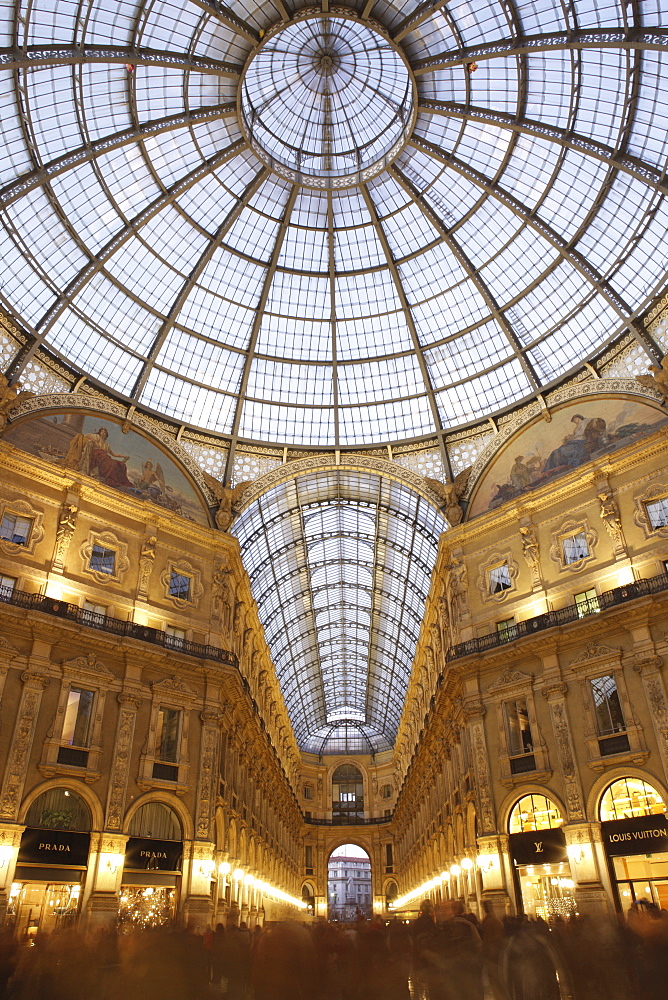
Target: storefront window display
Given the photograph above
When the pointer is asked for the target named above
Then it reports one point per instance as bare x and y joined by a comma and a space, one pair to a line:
151, 906
634, 828
538, 849
51, 864
152, 869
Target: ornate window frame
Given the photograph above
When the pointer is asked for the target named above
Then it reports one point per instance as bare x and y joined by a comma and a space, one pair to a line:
184, 568
108, 540
510, 686
597, 660
494, 559
21, 508
655, 491
93, 675
573, 526
171, 692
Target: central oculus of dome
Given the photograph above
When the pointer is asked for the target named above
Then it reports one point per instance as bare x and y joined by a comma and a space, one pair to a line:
327, 101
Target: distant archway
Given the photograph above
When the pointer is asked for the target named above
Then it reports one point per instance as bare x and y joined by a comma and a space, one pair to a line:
349, 892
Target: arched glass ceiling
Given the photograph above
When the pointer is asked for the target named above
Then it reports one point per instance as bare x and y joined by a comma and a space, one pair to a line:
340, 565
520, 228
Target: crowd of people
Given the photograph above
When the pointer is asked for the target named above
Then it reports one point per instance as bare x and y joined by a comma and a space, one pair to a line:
446, 954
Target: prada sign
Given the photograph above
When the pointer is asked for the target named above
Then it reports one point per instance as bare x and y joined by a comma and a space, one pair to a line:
54, 847
153, 855
643, 835
544, 847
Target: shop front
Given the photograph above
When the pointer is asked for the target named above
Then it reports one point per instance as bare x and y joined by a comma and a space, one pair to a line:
634, 831
51, 866
541, 869
151, 879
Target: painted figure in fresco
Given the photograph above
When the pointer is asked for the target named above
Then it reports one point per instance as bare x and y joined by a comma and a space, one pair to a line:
152, 480
92, 454
520, 473
578, 446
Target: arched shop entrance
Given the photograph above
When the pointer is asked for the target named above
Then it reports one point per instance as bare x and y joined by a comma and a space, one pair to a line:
634, 830
152, 870
349, 893
51, 865
541, 869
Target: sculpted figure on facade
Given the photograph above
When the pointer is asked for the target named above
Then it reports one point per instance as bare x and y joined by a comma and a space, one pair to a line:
228, 499
658, 380
10, 396
611, 519
450, 494
458, 588
146, 562
530, 550
223, 595
64, 532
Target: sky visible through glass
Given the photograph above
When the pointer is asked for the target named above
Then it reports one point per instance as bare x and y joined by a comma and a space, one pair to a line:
520, 229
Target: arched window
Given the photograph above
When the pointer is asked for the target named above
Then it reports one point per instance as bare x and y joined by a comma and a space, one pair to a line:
59, 809
534, 812
347, 794
156, 821
627, 798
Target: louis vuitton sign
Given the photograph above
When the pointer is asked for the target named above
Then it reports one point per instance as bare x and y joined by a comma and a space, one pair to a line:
642, 835
542, 847
142, 854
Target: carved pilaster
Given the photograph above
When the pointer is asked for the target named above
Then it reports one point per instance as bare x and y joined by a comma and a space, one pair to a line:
206, 793
474, 714
24, 733
122, 753
555, 695
649, 668
66, 524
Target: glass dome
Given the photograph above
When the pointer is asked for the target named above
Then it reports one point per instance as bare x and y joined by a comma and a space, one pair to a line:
331, 227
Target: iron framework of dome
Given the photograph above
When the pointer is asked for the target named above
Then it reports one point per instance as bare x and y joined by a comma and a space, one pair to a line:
331, 228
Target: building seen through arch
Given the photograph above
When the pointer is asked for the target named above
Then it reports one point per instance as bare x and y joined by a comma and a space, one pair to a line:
349, 887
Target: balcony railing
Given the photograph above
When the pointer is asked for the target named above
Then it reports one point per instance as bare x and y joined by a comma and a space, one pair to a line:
115, 626
572, 613
338, 821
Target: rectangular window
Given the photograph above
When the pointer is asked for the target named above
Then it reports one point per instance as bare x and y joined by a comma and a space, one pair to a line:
179, 586
574, 548
506, 629
7, 585
78, 714
176, 637
389, 861
657, 512
308, 792
309, 855
586, 603
499, 579
15, 529
517, 724
103, 560
94, 613
609, 717
167, 743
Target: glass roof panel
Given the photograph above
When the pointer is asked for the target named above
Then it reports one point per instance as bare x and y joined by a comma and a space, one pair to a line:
340, 570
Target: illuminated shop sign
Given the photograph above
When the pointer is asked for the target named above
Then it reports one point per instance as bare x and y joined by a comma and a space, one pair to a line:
54, 847
153, 855
643, 835
542, 847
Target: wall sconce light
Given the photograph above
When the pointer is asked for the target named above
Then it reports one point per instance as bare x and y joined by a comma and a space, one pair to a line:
466, 864
249, 879
455, 870
207, 868
113, 862
576, 852
5, 855
224, 868
238, 874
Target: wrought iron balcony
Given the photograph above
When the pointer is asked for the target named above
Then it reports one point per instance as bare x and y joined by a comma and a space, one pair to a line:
571, 613
339, 821
115, 626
